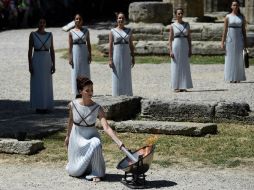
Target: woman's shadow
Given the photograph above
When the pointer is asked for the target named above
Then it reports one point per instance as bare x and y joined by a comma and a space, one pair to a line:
148, 184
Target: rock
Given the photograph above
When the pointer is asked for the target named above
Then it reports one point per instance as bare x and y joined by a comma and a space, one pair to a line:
14, 146
119, 107
232, 111
162, 127
177, 110
150, 12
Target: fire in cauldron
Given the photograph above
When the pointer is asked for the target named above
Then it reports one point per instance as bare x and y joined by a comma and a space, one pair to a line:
136, 166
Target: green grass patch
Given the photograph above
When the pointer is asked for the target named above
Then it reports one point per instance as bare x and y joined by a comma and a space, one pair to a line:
97, 56
231, 147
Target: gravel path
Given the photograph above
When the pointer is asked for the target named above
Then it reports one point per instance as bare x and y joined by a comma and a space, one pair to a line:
42, 177
149, 80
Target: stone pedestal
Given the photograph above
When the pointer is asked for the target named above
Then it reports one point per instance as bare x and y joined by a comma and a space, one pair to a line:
249, 11
192, 8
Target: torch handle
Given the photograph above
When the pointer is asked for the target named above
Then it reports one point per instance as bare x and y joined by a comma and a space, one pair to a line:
130, 156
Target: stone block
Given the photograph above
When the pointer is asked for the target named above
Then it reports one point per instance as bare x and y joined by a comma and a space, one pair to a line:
163, 127
212, 32
207, 48
119, 107
177, 110
13, 146
151, 47
144, 28
150, 12
249, 10
250, 39
161, 48
234, 111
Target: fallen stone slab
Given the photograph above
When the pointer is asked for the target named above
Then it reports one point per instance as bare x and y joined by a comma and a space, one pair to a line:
164, 127
13, 146
119, 107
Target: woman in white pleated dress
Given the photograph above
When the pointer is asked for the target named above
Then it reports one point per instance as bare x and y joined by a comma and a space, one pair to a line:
180, 51
121, 57
41, 58
82, 139
79, 52
234, 39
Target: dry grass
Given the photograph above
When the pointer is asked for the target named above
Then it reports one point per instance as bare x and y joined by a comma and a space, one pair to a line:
231, 147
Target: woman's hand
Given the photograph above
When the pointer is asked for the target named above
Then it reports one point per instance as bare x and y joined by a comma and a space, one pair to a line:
66, 141
71, 63
110, 64
222, 45
132, 61
30, 69
171, 54
190, 52
89, 58
53, 69
121, 145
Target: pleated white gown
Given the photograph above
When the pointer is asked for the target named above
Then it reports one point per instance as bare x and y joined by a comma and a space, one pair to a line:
85, 149
121, 71
234, 64
180, 67
41, 86
81, 66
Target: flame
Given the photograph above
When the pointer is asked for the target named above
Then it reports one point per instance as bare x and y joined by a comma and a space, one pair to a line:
151, 140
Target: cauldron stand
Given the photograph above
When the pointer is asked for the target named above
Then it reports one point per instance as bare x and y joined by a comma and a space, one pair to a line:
138, 180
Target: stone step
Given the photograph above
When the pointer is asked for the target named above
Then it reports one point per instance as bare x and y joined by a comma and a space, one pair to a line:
161, 48
163, 127
13, 146
158, 32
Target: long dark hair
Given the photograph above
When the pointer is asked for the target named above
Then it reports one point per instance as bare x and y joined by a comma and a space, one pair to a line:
238, 11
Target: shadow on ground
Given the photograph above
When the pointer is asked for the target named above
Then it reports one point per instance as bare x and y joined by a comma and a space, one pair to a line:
17, 116
148, 184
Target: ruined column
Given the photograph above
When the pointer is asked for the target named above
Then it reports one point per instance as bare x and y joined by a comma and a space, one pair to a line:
249, 11
192, 8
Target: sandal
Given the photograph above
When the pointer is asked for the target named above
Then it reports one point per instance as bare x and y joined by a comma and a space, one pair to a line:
92, 178
96, 179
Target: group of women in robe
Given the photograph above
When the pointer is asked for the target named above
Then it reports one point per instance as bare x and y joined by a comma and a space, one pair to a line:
122, 59
82, 139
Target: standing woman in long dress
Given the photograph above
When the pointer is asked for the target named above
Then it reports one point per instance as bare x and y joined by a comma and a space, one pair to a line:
234, 38
180, 51
80, 55
121, 57
41, 58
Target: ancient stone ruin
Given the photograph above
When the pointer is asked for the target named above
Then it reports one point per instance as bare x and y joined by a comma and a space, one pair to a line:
150, 24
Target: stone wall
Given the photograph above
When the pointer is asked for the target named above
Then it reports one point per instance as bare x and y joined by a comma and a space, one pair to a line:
153, 38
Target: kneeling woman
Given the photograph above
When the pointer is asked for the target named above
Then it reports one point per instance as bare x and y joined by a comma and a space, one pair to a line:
83, 140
